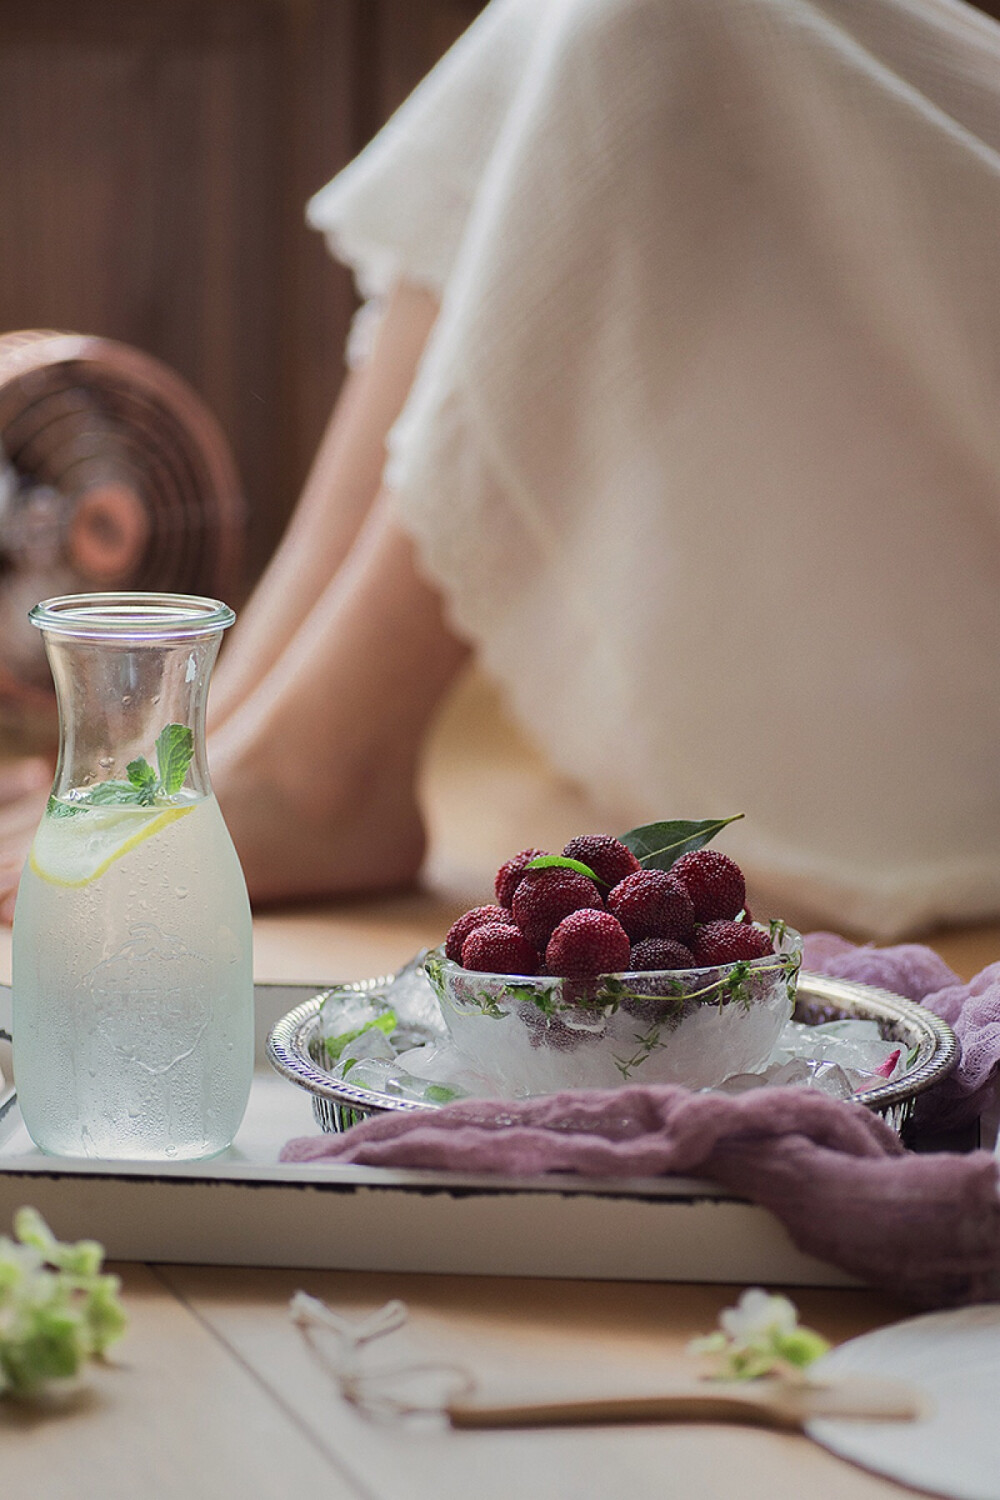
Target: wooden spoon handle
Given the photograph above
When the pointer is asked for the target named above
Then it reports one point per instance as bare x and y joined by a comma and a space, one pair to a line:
668, 1408
764, 1404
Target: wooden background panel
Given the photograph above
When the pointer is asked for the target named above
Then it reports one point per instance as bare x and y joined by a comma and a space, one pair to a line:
155, 160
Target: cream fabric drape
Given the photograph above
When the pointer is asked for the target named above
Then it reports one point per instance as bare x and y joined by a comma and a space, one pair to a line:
705, 449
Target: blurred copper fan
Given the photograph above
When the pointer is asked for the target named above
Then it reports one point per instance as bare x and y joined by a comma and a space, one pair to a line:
113, 475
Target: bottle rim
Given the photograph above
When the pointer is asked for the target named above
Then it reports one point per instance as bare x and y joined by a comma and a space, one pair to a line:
131, 616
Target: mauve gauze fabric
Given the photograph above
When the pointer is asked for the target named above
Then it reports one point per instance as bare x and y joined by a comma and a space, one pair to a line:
925, 1227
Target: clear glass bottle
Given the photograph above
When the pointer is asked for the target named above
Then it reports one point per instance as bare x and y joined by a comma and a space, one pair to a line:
132, 960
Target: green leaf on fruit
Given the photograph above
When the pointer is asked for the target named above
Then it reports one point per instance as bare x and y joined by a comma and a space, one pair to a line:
658, 846
561, 862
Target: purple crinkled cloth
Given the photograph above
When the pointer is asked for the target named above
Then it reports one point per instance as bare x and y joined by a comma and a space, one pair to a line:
925, 1227
972, 1010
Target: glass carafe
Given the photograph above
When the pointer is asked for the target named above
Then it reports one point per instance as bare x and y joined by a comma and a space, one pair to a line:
132, 966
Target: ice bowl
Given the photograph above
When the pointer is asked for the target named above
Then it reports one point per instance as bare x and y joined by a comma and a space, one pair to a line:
696, 1027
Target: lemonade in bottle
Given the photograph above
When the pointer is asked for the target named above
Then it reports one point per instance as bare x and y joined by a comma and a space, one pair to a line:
132, 968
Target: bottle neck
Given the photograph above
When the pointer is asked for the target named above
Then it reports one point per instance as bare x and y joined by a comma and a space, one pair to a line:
116, 700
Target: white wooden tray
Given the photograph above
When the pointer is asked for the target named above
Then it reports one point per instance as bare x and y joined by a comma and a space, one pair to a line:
246, 1208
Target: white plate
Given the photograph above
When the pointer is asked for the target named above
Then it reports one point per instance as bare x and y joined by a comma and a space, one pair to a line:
954, 1359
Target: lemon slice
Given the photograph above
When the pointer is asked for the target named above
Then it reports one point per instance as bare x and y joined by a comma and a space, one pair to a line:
76, 851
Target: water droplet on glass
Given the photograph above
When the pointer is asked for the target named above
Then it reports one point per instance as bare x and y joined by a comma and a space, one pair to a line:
180, 891
105, 762
126, 699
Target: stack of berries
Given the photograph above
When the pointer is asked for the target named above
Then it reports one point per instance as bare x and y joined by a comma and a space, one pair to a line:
598, 911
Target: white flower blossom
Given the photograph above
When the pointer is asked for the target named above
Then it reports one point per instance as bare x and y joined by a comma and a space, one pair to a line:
760, 1336
757, 1316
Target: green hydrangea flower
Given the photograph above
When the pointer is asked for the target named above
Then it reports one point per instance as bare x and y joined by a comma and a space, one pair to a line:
57, 1308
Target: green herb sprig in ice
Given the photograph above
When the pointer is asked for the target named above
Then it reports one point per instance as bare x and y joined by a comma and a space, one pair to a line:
57, 1308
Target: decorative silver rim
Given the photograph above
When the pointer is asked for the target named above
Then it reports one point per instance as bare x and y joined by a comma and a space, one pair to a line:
934, 1036
289, 1038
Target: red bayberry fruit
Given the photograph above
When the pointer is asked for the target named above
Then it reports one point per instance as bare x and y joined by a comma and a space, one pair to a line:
587, 943
660, 953
606, 856
544, 897
466, 923
499, 948
651, 903
725, 942
510, 873
713, 881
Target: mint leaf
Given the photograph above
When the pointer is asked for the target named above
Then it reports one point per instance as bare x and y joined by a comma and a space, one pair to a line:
174, 750
440, 1093
113, 794
334, 1046
560, 862
142, 776
657, 846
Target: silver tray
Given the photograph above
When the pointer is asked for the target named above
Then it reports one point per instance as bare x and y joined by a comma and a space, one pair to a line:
337, 1104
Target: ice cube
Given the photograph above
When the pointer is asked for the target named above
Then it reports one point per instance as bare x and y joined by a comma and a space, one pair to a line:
412, 998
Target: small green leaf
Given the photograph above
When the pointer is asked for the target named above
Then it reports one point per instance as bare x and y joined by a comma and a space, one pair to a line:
112, 794
529, 994
800, 1347
174, 751
560, 862
440, 1093
334, 1046
142, 776
657, 846
56, 809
